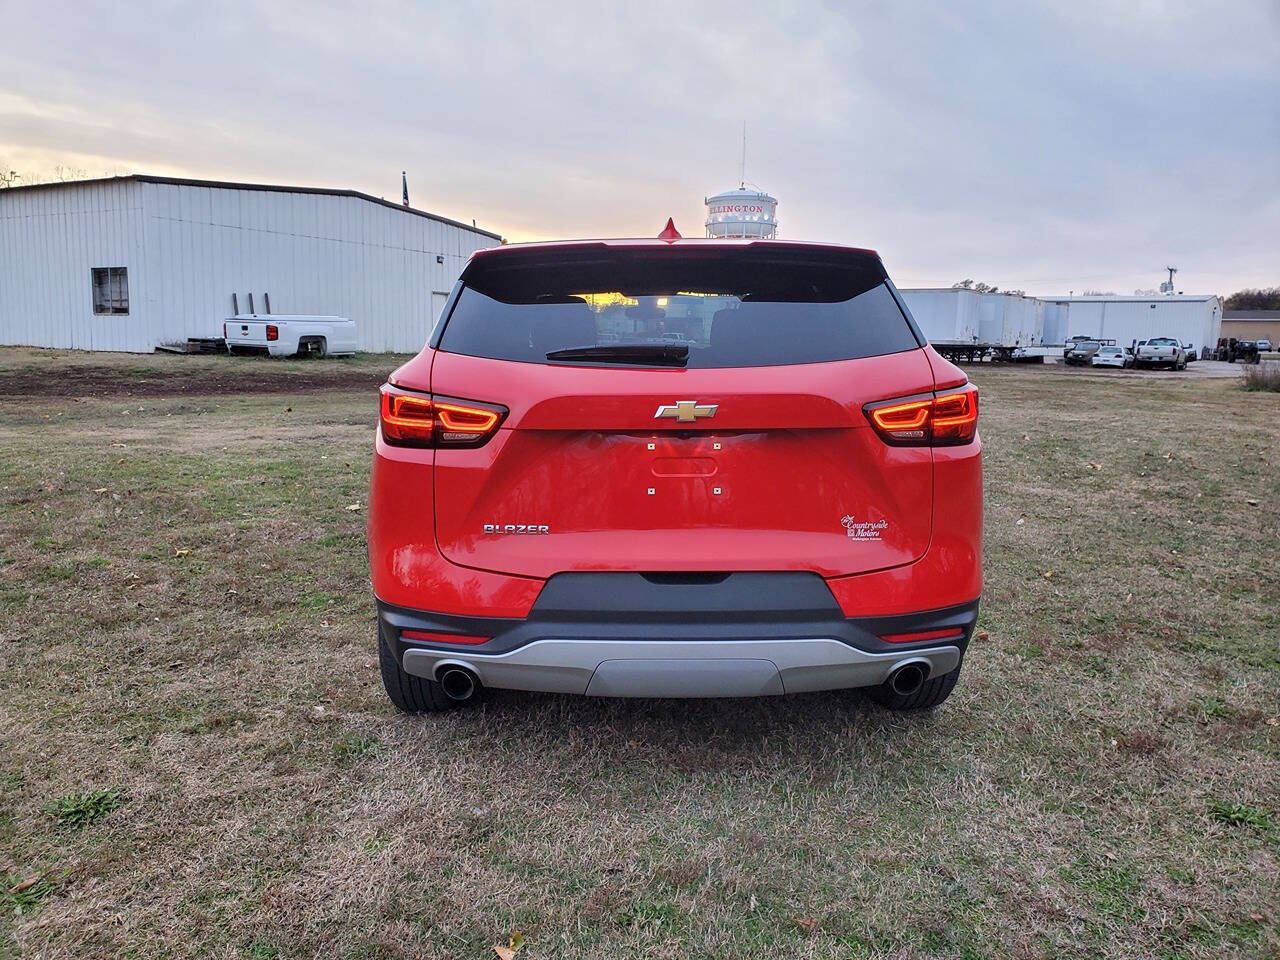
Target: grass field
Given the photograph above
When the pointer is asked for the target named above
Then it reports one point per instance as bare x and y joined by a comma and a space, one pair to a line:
197, 758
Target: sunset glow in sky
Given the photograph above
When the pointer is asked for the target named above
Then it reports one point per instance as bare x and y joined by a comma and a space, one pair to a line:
1049, 147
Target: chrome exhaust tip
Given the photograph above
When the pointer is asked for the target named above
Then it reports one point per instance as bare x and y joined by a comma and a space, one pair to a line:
908, 678
458, 683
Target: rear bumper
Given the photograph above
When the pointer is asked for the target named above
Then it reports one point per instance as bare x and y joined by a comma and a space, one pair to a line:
629, 635
675, 668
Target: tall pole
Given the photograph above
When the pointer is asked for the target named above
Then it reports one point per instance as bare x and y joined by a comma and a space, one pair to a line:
742, 168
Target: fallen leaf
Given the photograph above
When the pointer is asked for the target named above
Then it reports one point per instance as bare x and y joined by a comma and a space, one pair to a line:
353, 506
1252, 503
181, 551
1020, 522
981, 635
515, 943
1048, 574
100, 490
808, 925
26, 884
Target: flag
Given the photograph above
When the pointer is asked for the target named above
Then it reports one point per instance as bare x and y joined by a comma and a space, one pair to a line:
404, 184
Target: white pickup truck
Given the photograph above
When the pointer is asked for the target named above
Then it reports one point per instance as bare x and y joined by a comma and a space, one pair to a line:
281, 335
1160, 352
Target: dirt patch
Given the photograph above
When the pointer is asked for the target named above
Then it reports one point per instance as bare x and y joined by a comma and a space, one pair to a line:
103, 381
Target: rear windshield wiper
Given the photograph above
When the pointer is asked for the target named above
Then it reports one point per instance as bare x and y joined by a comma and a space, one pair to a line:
659, 354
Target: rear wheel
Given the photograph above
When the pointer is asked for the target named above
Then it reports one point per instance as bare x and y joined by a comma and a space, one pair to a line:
930, 693
409, 693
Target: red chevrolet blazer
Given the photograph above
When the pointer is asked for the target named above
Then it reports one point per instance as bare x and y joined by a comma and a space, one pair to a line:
689, 468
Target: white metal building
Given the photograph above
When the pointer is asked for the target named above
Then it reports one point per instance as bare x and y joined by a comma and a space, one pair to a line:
131, 263
959, 316
1191, 319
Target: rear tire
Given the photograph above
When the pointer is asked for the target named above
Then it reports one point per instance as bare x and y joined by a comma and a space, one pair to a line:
409, 693
931, 693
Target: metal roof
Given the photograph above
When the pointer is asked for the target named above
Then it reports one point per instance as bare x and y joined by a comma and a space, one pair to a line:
1154, 298
230, 185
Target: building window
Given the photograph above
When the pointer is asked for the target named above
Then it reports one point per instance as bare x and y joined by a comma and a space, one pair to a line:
110, 289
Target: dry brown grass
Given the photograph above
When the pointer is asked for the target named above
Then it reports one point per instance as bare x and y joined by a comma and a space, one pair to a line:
1104, 782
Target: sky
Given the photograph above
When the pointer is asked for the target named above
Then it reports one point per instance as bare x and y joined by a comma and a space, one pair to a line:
1049, 147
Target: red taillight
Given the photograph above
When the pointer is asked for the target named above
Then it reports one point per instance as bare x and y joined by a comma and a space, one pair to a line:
954, 633
421, 420
273, 332
432, 637
944, 419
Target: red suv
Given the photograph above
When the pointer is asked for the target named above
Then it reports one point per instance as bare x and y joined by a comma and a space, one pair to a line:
689, 468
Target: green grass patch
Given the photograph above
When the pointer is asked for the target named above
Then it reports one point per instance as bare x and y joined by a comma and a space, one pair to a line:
1239, 814
78, 810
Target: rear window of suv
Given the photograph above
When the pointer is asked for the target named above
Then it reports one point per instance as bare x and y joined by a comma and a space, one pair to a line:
737, 307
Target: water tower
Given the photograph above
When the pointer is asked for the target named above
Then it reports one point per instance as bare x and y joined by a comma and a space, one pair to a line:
742, 213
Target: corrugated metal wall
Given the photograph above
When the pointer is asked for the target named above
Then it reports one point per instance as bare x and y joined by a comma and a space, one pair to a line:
50, 241
313, 253
1195, 321
188, 248
951, 315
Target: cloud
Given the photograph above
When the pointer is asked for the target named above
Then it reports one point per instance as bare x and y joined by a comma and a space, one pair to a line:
1047, 147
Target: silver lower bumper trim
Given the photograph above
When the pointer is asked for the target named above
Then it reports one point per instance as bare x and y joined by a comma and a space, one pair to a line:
679, 668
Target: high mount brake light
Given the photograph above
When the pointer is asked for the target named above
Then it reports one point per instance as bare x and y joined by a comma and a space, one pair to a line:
412, 419
941, 420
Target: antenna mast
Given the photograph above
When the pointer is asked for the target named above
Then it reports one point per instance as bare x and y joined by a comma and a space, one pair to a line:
742, 169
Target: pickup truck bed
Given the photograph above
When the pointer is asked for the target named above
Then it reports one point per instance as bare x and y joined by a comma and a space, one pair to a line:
281, 335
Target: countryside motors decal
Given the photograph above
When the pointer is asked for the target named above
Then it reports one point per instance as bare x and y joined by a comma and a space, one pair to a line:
863, 530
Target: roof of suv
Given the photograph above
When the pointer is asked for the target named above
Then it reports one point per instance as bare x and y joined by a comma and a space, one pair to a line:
507, 249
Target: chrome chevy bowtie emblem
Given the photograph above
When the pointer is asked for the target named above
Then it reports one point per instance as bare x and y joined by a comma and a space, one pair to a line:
686, 411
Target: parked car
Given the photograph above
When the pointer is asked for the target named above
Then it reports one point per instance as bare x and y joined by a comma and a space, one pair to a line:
1160, 351
278, 335
790, 502
1082, 352
1111, 357
1189, 352
1263, 345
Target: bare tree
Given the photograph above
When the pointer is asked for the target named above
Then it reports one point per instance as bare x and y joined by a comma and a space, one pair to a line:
1264, 298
